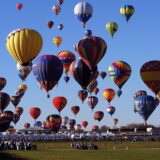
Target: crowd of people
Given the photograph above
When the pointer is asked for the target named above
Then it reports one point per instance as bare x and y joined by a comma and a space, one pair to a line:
17, 145
77, 145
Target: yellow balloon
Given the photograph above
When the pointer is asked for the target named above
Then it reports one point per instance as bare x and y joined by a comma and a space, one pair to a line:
24, 45
57, 41
22, 87
112, 27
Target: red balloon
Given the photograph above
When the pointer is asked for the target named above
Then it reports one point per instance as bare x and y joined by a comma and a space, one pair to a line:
82, 94
95, 128
75, 110
84, 124
27, 125
19, 6
98, 115
59, 103
35, 112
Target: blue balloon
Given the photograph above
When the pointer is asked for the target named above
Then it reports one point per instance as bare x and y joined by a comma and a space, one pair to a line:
38, 124
71, 122
145, 105
119, 92
47, 70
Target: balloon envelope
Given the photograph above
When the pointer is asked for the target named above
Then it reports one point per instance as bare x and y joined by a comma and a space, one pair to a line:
83, 11
24, 45
59, 102
4, 100
92, 101
82, 94
35, 112
150, 74
3, 82
145, 105
47, 70
119, 72
127, 11
91, 50
82, 74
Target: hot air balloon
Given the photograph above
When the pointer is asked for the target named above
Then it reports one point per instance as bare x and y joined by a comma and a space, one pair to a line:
145, 105
4, 124
109, 94
151, 76
48, 70
4, 100
59, 103
7, 115
111, 110
115, 121
112, 28
92, 85
95, 128
127, 11
24, 70
19, 6
83, 11
96, 90
20, 93
22, 87
38, 124
3, 82
18, 111
98, 115
57, 41
60, 26
82, 94
27, 125
50, 24
78, 127
15, 100
66, 57
35, 112
103, 74
92, 101
16, 118
88, 33
24, 45
66, 79
91, 50
56, 9
11, 130
60, 2
119, 92
71, 123
75, 110
84, 124
119, 72
82, 74
55, 122
65, 120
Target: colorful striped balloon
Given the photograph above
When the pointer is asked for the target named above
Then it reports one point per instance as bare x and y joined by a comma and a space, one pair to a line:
91, 49
150, 74
109, 94
119, 72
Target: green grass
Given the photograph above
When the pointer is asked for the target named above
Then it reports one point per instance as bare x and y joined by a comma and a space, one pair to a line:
62, 151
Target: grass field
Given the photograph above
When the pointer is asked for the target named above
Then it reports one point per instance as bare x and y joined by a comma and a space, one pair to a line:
62, 151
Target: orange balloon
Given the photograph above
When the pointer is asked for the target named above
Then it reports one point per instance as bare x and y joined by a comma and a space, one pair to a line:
109, 94
57, 41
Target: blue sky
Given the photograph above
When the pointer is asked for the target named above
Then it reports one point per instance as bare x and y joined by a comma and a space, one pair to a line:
135, 43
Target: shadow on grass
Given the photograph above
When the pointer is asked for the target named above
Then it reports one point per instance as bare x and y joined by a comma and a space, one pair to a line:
8, 156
